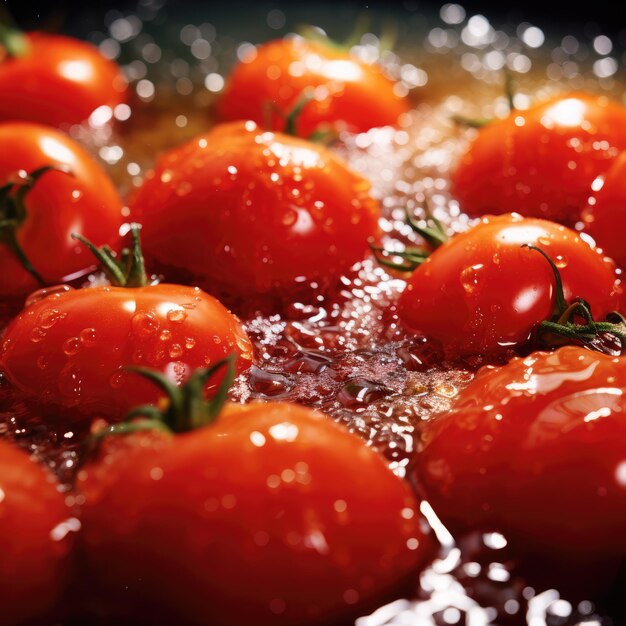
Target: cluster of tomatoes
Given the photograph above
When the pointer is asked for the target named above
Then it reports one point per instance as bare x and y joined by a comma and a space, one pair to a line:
189, 509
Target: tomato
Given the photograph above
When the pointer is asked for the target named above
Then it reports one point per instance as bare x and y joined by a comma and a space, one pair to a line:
58, 81
348, 92
272, 515
84, 201
604, 217
541, 162
536, 450
35, 531
72, 348
483, 293
243, 212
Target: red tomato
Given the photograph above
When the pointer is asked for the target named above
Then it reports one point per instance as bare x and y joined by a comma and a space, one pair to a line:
58, 205
58, 81
541, 162
243, 212
536, 450
272, 515
348, 92
483, 293
70, 348
35, 526
605, 215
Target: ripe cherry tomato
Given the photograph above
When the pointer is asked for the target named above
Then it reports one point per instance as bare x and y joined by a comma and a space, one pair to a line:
483, 293
605, 214
35, 531
58, 204
273, 515
242, 212
71, 348
57, 80
541, 162
348, 93
536, 450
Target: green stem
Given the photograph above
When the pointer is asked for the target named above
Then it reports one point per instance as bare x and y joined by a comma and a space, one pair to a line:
12, 39
292, 116
187, 408
564, 327
131, 272
560, 305
8, 237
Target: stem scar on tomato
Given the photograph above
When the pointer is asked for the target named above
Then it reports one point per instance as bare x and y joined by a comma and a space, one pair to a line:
13, 212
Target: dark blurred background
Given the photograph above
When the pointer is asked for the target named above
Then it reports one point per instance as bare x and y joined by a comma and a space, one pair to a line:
601, 16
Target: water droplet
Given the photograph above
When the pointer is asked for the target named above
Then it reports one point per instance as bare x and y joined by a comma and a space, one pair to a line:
176, 350
42, 362
165, 335
470, 277
71, 346
37, 334
190, 342
177, 316
144, 325
560, 261
88, 337
117, 379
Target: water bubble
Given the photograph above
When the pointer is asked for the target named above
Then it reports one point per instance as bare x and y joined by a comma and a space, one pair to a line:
71, 346
177, 316
144, 325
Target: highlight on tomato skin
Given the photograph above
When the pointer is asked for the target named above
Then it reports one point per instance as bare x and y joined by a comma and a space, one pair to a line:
272, 498
58, 81
604, 217
348, 93
71, 348
36, 536
483, 293
247, 213
80, 199
536, 450
541, 162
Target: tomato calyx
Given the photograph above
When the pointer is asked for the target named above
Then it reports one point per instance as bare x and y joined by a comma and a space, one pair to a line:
126, 271
430, 229
187, 408
574, 321
13, 213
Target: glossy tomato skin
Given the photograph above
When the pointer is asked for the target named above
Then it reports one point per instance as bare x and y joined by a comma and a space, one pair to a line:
349, 93
605, 215
272, 515
245, 212
59, 204
34, 542
59, 81
483, 293
541, 162
71, 348
535, 449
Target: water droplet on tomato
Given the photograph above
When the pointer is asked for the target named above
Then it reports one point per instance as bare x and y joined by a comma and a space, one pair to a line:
561, 261
144, 325
88, 337
177, 316
117, 379
42, 362
37, 334
470, 277
40, 294
175, 351
190, 342
71, 346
